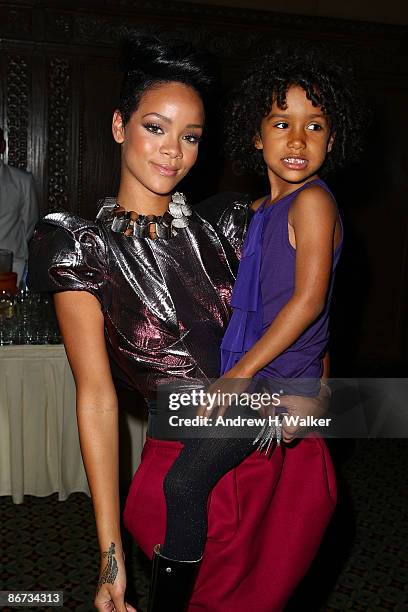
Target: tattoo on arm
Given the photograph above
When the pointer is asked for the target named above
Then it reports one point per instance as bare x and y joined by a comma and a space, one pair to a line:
111, 569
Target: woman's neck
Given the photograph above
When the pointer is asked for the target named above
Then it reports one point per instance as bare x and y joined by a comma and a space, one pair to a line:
141, 200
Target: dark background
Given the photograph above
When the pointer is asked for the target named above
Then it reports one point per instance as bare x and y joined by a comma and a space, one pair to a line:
59, 85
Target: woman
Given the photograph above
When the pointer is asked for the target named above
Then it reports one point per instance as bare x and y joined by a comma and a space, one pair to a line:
142, 295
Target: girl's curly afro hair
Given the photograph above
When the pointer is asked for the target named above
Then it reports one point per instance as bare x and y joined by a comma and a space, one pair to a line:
327, 83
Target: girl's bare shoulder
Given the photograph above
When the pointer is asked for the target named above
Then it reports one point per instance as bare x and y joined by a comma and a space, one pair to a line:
314, 200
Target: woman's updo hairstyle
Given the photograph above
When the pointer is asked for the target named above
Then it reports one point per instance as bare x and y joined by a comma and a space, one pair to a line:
147, 61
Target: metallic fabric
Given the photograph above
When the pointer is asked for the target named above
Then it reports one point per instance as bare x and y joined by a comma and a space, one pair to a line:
165, 302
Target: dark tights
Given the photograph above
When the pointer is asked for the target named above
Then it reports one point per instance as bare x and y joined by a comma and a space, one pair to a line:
187, 485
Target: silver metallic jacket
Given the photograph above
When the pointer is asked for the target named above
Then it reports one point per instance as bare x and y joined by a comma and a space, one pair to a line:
165, 302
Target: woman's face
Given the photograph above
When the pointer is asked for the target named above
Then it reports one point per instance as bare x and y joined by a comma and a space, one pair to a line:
160, 141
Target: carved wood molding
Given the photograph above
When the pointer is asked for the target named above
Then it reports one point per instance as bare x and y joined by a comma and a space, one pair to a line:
18, 90
231, 33
59, 116
196, 12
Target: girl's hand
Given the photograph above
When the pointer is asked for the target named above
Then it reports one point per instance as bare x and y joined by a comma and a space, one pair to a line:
232, 381
299, 405
110, 592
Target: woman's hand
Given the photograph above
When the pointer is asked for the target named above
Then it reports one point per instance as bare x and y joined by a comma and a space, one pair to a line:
232, 382
110, 593
299, 405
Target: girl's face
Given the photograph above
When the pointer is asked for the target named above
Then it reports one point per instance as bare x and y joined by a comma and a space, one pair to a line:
160, 141
295, 141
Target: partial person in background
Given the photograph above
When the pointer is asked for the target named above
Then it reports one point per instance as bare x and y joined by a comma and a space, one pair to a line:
18, 211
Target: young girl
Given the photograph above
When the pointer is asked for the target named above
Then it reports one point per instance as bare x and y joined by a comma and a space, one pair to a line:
296, 116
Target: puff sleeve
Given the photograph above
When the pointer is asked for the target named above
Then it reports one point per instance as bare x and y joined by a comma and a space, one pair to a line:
229, 213
67, 253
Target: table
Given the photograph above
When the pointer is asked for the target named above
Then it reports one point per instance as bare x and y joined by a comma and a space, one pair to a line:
39, 443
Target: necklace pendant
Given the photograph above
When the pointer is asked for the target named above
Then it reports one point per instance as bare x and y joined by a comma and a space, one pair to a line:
180, 223
186, 210
163, 231
178, 198
175, 210
141, 227
120, 222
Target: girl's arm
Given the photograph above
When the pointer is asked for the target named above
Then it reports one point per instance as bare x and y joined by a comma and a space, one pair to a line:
82, 326
313, 217
305, 406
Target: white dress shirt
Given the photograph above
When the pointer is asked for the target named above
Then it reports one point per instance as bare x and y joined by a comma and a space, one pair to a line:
18, 213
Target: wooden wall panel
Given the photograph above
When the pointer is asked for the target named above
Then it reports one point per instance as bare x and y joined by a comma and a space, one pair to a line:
18, 109
59, 141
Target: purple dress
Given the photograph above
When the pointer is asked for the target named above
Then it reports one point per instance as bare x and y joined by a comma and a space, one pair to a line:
265, 283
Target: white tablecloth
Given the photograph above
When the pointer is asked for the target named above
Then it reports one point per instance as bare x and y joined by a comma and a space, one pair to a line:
39, 444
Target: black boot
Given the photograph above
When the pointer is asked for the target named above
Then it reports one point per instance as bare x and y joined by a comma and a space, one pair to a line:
172, 583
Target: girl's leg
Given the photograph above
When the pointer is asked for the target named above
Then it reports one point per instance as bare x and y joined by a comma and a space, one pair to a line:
187, 485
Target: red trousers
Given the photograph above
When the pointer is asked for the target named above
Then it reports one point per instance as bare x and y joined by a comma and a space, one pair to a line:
266, 521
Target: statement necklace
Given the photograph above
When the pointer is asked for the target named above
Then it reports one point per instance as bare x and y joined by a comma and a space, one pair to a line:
131, 223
